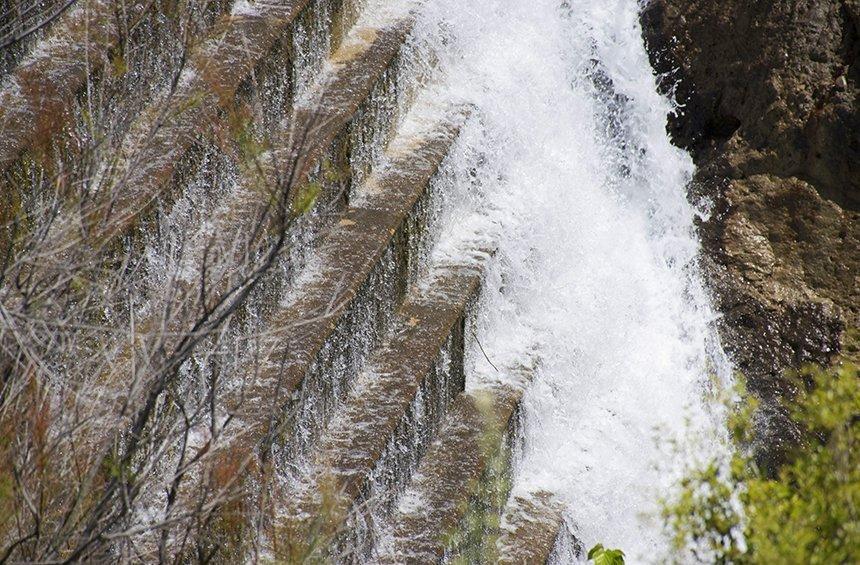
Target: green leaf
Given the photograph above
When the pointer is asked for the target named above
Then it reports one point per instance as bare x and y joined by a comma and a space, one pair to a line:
596, 550
602, 556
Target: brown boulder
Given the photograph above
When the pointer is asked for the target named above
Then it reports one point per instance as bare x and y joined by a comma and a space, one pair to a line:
768, 106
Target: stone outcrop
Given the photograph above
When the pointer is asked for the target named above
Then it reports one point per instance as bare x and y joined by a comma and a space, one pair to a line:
768, 96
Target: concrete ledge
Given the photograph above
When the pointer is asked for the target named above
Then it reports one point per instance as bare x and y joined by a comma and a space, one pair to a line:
45, 82
434, 505
392, 413
313, 125
345, 261
531, 526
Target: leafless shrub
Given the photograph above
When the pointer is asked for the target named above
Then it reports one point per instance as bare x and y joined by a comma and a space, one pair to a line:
21, 21
120, 384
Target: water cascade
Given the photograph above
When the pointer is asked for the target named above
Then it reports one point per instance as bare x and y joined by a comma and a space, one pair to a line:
569, 164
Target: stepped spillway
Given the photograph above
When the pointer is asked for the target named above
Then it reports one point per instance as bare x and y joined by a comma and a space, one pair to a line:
298, 264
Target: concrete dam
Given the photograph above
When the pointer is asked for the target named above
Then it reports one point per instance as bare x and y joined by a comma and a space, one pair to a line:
351, 281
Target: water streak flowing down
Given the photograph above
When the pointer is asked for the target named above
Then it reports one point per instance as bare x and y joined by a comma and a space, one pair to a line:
567, 160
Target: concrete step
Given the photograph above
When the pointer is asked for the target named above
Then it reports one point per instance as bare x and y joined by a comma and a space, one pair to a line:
319, 337
461, 481
391, 413
350, 114
45, 82
531, 528
41, 90
156, 148
326, 157
152, 151
314, 122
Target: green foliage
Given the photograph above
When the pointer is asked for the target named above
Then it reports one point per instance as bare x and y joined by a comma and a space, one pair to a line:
602, 556
851, 345
250, 147
306, 197
114, 467
729, 512
331, 173
119, 66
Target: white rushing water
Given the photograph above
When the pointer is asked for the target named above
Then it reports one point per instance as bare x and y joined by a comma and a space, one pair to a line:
567, 157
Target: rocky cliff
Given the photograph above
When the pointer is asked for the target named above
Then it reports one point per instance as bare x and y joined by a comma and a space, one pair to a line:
768, 96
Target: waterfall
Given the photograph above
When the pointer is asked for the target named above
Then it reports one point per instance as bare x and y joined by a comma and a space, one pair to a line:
566, 159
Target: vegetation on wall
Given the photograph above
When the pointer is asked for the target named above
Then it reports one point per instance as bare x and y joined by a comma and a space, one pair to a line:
474, 539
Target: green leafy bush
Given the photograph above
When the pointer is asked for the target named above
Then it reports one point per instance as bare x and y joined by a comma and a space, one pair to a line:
730, 512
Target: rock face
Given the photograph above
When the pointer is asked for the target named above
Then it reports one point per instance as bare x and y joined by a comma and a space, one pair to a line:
769, 109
